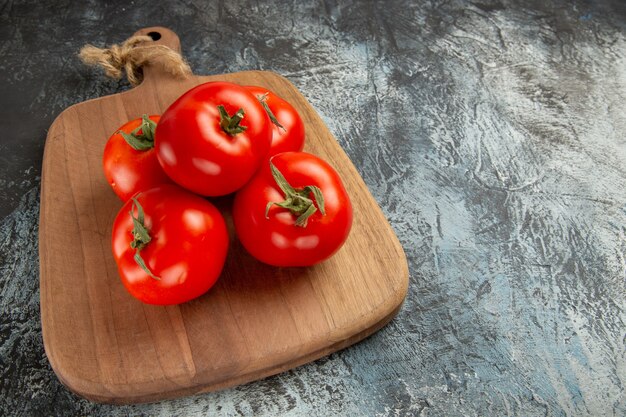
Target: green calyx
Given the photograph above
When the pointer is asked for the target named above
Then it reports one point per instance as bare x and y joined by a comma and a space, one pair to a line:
230, 124
141, 138
141, 236
263, 100
297, 200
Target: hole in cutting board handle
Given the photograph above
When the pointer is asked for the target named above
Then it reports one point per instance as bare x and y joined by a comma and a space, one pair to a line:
154, 35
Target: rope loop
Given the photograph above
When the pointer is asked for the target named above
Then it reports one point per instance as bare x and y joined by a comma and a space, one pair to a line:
131, 55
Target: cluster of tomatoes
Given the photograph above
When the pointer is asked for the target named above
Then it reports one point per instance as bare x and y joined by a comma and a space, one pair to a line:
169, 241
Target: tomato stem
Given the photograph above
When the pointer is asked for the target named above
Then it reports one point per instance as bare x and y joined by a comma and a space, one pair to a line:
230, 124
141, 138
296, 200
141, 237
263, 100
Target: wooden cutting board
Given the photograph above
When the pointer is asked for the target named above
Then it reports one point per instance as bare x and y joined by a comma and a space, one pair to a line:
257, 321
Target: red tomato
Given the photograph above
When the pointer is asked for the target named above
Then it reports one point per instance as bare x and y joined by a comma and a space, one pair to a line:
129, 170
169, 245
287, 126
213, 138
298, 220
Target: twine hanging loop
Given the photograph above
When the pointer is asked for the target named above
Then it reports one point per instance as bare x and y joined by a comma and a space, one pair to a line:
131, 55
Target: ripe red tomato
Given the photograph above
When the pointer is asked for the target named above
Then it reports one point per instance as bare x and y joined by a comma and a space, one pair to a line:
130, 163
169, 245
296, 213
213, 138
287, 126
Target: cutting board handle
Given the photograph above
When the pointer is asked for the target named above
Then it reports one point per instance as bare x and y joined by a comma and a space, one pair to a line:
161, 36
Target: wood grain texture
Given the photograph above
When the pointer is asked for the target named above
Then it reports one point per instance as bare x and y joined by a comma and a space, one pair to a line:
257, 321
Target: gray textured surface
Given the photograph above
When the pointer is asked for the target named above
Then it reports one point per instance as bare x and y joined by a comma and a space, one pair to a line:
493, 136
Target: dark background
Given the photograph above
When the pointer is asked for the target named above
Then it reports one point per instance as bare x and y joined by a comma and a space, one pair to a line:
491, 133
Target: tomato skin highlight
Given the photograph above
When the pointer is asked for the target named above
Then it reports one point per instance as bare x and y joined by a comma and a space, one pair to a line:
289, 138
276, 240
198, 154
127, 170
187, 251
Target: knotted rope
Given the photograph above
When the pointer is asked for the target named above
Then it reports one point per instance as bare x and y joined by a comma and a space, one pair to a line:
131, 55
